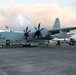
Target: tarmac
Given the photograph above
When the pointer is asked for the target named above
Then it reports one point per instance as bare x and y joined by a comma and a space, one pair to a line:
51, 60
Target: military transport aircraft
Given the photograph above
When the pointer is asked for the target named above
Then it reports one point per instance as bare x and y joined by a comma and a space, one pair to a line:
40, 36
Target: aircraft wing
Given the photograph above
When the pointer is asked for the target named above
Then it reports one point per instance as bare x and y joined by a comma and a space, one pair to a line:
68, 29
62, 29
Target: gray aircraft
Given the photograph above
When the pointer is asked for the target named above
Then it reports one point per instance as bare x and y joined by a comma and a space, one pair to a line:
40, 36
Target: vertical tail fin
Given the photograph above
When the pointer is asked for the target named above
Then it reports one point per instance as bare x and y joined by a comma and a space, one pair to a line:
56, 24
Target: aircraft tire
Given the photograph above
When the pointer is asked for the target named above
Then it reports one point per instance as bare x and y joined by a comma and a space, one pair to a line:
26, 45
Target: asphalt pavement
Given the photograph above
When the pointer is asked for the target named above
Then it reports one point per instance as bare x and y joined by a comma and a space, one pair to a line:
52, 60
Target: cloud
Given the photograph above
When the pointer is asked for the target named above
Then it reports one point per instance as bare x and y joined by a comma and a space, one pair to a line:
47, 13
74, 4
44, 14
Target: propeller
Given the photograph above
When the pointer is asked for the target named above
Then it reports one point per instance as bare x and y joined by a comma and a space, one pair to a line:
38, 31
26, 33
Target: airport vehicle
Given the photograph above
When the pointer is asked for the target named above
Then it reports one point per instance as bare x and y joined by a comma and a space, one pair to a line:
39, 36
71, 41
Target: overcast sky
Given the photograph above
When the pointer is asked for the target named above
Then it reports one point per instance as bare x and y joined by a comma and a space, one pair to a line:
17, 14
59, 2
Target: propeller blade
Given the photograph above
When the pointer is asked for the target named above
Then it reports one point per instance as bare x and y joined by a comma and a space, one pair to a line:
29, 31
39, 26
26, 33
42, 29
26, 37
26, 28
35, 28
38, 36
38, 31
